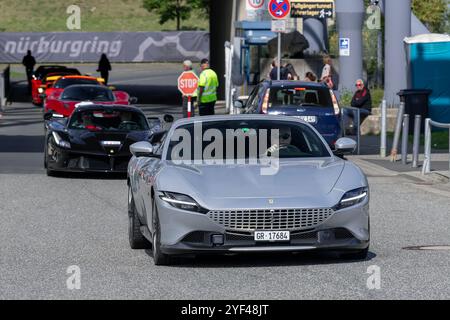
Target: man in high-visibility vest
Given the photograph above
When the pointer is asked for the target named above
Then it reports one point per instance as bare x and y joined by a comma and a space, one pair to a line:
207, 92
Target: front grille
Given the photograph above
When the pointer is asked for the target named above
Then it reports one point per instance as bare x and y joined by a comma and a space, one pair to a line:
270, 219
195, 237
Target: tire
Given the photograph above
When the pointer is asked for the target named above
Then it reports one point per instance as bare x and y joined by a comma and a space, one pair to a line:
159, 258
135, 237
50, 173
356, 255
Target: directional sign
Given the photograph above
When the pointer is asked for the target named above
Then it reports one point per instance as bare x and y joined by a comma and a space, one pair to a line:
279, 9
319, 9
188, 83
344, 47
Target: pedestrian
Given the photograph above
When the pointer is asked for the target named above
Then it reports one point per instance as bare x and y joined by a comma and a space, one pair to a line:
361, 100
327, 73
291, 74
29, 62
207, 93
310, 77
273, 75
104, 67
187, 66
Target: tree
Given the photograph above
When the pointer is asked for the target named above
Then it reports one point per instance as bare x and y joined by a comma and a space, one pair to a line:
433, 13
175, 9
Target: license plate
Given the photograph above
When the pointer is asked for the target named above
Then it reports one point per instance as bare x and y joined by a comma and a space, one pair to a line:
272, 236
309, 119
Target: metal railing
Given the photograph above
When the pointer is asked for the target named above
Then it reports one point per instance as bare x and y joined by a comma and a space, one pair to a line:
428, 123
357, 120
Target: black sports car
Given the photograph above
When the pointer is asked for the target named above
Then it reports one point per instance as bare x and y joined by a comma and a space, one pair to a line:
95, 138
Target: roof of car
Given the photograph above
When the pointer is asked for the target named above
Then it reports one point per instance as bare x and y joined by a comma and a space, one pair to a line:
108, 107
237, 117
293, 83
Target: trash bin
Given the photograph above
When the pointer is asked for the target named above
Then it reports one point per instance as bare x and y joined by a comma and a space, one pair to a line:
416, 102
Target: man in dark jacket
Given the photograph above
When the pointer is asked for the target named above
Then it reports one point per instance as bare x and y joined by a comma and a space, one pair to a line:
361, 100
104, 67
29, 62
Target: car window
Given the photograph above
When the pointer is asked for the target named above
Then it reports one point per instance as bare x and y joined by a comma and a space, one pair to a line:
245, 139
87, 93
300, 96
254, 103
108, 120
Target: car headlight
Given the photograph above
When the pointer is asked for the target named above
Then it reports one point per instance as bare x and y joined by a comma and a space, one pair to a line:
352, 198
59, 141
41, 90
182, 201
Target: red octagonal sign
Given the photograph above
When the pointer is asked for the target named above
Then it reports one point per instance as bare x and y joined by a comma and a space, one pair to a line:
188, 83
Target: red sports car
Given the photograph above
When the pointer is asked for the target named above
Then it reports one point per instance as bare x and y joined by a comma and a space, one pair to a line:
56, 85
39, 79
65, 103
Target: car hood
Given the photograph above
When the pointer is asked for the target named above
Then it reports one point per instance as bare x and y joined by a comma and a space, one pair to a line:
85, 141
296, 183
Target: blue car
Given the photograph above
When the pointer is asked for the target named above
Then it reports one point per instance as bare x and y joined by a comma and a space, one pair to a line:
312, 102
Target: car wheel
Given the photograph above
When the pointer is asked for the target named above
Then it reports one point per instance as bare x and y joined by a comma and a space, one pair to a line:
135, 237
159, 258
356, 255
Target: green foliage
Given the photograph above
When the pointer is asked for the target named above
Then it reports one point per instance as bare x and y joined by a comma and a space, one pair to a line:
96, 16
177, 10
346, 98
433, 13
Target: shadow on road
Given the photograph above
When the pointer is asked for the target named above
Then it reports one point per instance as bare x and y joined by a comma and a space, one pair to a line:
28, 144
262, 260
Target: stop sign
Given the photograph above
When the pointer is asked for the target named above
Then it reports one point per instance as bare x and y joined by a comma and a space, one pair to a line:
187, 83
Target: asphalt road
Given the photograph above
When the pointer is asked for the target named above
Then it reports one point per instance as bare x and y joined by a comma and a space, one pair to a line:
48, 224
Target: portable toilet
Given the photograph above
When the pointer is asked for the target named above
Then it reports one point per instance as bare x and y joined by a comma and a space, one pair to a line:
429, 68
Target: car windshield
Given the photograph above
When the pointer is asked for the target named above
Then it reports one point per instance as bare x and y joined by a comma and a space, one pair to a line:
108, 120
87, 93
244, 139
63, 83
300, 96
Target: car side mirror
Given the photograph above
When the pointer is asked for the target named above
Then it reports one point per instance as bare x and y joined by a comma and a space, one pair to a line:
344, 146
239, 106
168, 118
142, 149
48, 115
133, 100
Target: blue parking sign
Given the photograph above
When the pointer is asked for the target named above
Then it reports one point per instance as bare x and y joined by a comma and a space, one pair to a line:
344, 46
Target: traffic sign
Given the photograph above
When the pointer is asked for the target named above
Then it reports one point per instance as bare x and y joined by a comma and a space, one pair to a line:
319, 9
255, 4
279, 26
188, 83
344, 47
279, 9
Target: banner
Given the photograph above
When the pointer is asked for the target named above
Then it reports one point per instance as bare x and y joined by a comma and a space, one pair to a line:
119, 46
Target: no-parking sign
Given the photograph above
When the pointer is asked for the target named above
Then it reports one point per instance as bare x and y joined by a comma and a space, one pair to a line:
279, 9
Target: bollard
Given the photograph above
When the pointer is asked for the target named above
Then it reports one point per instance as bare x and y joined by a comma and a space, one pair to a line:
405, 134
426, 163
416, 140
383, 130
398, 128
358, 130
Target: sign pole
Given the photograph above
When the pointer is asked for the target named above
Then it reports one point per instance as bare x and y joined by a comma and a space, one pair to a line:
279, 57
189, 107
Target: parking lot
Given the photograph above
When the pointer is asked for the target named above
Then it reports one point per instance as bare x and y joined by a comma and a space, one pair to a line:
52, 223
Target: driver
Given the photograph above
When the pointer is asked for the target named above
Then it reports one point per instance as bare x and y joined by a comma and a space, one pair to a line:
284, 146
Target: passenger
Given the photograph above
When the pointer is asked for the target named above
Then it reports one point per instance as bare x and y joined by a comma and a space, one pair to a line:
361, 100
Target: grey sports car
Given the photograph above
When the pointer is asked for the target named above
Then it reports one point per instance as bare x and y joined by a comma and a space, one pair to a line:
245, 183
